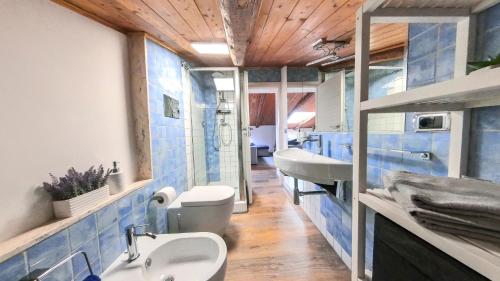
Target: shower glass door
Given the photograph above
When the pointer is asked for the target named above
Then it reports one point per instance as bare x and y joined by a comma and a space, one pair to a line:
215, 125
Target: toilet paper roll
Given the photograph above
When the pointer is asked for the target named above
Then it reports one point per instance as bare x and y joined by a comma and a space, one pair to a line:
166, 195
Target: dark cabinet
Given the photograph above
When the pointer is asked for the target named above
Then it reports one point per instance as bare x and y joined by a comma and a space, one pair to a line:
399, 255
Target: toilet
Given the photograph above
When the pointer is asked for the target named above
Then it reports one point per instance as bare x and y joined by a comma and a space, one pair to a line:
202, 209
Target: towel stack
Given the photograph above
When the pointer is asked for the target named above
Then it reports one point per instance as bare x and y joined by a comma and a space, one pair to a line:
466, 207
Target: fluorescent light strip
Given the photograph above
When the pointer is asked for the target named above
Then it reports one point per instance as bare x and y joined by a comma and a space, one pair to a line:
321, 59
337, 61
210, 48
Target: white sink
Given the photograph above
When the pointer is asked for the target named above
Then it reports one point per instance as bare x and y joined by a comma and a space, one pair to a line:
199, 256
304, 165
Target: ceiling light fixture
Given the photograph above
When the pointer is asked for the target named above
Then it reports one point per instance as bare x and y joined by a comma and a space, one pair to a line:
329, 57
211, 48
337, 61
330, 52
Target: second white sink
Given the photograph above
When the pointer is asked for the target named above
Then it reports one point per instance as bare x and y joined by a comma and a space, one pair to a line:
198, 256
304, 165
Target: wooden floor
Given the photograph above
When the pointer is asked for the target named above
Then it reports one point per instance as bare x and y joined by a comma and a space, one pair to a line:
276, 240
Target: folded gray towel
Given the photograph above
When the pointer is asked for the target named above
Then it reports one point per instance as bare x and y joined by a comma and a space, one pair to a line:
465, 207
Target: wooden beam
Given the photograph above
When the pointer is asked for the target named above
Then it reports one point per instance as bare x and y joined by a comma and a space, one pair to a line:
140, 101
485, 4
302, 100
419, 15
238, 18
371, 5
260, 106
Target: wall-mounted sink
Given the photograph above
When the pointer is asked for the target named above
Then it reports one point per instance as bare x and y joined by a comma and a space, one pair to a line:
304, 165
199, 256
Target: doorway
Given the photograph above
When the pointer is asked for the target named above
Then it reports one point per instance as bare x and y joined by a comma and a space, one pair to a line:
262, 119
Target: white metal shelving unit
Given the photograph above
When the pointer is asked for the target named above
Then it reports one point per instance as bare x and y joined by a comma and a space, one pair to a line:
457, 96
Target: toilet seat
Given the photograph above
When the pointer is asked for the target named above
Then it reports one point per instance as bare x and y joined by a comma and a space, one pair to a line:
207, 196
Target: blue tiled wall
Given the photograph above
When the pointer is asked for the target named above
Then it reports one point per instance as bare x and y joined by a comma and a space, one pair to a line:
380, 160
101, 234
430, 60
168, 135
433, 61
484, 157
301, 74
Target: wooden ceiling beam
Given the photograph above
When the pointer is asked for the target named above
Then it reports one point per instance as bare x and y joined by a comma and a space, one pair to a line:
260, 107
301, 101
238, 18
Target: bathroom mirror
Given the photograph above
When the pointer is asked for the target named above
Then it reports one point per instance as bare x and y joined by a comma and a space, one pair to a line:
335, 99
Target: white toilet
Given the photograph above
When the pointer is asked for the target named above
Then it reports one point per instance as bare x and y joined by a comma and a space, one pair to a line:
202, 209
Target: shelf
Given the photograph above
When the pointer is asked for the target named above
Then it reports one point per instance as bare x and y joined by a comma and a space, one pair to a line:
474, 90
480, 256
22, 242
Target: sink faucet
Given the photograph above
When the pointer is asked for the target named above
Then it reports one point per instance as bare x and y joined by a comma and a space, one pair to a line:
319, 139
131, 239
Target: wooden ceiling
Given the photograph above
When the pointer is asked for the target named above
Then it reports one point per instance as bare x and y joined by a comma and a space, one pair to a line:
283, 32
262, 108
301, 102
176, 23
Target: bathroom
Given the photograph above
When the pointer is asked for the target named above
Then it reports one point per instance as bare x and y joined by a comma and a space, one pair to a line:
127, 140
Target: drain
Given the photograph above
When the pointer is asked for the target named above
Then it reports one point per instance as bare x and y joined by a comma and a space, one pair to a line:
148, 262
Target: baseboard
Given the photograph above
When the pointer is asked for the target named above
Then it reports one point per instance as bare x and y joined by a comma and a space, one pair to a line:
240, 207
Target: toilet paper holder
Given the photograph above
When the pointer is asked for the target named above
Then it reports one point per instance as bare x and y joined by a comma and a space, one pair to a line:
157, 198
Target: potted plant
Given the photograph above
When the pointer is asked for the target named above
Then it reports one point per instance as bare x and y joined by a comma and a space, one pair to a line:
76, 192
491, 62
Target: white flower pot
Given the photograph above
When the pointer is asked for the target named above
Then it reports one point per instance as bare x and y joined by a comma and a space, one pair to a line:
80, 204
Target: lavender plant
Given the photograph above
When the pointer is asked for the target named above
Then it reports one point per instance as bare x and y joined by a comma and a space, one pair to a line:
75, 183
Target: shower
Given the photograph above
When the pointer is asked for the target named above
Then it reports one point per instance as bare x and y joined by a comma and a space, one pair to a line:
223, 109
215, 129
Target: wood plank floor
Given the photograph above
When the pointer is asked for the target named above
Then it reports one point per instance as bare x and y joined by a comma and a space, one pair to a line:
276, 240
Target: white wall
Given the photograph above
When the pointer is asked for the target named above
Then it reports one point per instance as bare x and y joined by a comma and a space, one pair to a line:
264, 135
64, 102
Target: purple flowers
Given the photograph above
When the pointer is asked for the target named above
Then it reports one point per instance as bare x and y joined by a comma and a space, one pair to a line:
75, 183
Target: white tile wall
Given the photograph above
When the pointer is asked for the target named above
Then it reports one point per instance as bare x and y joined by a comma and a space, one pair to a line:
187, 127
198, 147
228, 154
389, 122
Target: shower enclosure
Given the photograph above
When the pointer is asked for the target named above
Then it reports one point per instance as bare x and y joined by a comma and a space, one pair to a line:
215, 125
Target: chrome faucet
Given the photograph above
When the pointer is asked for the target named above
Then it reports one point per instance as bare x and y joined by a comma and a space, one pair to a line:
319, 139
131, 239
